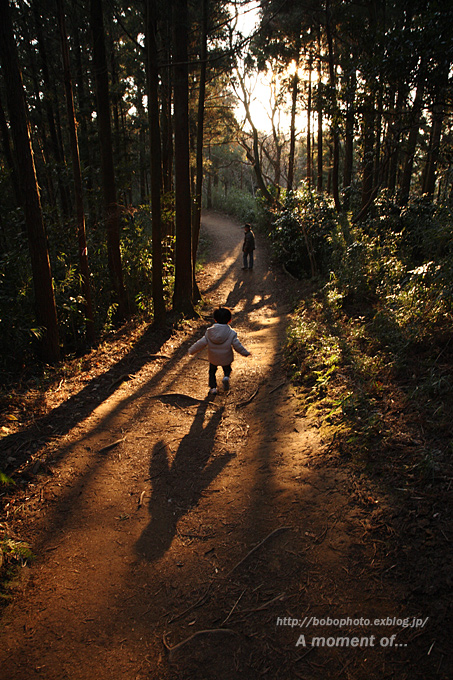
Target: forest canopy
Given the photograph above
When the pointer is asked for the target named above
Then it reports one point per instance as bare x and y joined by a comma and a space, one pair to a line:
119, 123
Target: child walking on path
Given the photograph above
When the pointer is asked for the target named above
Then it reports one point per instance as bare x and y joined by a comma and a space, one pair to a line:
220, 340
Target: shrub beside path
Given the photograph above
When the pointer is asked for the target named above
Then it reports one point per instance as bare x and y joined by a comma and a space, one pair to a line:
178, 536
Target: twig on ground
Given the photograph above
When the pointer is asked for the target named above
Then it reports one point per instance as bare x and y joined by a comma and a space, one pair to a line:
273, 533
233, 607
140, 502
198, 603
110, 446
247, 401
208, 631
263, 606
277, 387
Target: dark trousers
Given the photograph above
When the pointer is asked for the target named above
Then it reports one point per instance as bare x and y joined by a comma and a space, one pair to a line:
247, 259
213, 370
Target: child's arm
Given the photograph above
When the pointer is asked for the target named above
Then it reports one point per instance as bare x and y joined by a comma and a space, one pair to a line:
198, 346
239, 347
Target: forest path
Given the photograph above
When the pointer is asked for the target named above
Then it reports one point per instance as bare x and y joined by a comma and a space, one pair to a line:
208, 518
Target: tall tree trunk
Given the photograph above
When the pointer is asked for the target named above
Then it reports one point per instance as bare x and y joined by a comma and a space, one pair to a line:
183, 291
107, 168
9, 156
412, 139
49, 98
334, 127
437, 119
196, 224
433, 152
254, 154
292, 128
349, 136
319, 182
394, 138
309, 171
84, 112
155, 161
77, 174
42, 277
167, 130
368, 151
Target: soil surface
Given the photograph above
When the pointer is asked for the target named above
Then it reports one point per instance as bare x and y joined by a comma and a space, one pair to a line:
179, 535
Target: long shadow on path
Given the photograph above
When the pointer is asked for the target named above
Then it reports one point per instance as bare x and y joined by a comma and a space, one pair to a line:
178, 483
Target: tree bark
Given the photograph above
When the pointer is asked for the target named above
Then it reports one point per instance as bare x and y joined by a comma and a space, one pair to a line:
196, 224
183, 291
77, 175
107, 168
368, 151
349, 137
155, 161
292, 134
319, 182
309, 168
42, 277
334, 128
412, 139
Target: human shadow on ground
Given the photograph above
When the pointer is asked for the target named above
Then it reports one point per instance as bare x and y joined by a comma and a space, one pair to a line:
59, 421
177, 484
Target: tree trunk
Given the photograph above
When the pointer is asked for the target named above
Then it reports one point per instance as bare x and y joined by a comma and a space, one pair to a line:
156, 164
368, 151
429, 183
412, 139
49, 98
334, 128
183, 292
196, 224
42, 277
349, 137
394, 138
9, 156
292, 137
107, 168
77, 174
319, 183
309, 172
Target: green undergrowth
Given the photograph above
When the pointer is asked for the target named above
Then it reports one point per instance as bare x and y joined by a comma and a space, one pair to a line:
14, 555
370, 349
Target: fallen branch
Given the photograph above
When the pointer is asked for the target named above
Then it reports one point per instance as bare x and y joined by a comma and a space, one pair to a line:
110, 446
233, 608
265, 605
273, 533
247, 401
278, 387
198, 603
209, 631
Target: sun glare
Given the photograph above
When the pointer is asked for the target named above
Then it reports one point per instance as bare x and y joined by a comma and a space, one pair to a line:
264, 87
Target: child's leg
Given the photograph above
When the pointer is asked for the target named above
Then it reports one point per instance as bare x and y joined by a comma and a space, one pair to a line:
226, 377
212, 378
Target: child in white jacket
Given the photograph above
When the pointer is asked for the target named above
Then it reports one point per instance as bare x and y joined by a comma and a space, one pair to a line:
220, 340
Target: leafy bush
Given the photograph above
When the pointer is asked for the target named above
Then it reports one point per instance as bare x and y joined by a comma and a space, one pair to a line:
303, 234
240, 204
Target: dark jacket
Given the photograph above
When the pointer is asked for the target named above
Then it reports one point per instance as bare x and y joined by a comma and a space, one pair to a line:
249, 242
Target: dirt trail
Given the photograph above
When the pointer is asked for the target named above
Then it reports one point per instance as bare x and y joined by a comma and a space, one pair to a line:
215, 519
